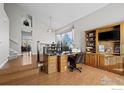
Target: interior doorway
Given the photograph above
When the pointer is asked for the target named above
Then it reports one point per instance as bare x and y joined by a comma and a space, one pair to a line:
26, 43
26, 35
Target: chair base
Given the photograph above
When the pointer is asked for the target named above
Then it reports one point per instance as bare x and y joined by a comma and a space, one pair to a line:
74, 68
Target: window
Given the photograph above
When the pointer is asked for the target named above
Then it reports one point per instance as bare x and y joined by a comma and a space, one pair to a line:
65, 38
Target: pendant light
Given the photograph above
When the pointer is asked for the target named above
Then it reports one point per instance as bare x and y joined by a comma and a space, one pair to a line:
50, 29
73, 28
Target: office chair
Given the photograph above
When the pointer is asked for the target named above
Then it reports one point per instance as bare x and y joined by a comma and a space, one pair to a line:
75, 60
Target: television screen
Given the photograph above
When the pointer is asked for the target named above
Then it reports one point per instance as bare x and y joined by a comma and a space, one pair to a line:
110, 35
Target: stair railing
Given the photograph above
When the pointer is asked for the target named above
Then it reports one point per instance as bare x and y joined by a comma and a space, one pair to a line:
13, 44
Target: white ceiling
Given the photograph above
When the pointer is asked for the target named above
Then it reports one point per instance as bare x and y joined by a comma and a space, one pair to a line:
62, 13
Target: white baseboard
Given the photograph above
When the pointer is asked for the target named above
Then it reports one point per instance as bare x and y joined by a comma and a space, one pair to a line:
34, 53
1, 65
19, 54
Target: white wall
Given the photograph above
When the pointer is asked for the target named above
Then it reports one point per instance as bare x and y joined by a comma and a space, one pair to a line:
15, 14
40, 33
110, 14
4, 36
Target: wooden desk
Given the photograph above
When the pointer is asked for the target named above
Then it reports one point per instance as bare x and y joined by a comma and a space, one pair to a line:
55, 63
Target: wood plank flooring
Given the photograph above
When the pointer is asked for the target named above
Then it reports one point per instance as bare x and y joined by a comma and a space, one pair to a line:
88, 76
25, 62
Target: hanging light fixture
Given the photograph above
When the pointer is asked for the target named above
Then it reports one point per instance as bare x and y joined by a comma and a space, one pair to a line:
50, 29
73, 28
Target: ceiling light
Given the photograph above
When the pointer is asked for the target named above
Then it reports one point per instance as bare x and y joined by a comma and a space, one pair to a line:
50, 29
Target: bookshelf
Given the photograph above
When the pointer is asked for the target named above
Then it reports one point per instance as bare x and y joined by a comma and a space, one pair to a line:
91, 41
106, 52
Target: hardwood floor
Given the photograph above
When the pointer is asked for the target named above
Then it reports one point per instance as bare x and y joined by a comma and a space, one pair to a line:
27, 61
88, 76
22, 66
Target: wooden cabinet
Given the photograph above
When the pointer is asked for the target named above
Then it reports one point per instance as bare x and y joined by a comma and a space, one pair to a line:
106, 53
55, 63
50, 64
120, 65
122, 38
62, 65
87, 62
91, 59
91, 41
102, 62
117, 65
107, 62
111, 63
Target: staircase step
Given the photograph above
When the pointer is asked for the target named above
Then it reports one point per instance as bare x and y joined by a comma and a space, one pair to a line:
12, 57
17, 75
12, 54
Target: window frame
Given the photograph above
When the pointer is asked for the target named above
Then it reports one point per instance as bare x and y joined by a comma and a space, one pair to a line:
65, 33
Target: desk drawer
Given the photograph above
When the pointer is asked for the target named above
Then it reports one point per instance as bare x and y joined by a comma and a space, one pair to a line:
52, 60
52, 57
52, 65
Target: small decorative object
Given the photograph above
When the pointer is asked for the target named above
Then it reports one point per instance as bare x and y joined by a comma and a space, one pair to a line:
25, 22
101, 48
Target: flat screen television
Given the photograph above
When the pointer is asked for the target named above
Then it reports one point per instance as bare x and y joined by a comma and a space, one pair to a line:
110, 35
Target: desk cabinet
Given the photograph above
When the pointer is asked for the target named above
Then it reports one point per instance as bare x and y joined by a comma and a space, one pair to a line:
62, 65
50, 64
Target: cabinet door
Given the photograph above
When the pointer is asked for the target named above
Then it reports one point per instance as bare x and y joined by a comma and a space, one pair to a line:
102, 62
63, 63
112, 63
87, 59
119, 65
93, 60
